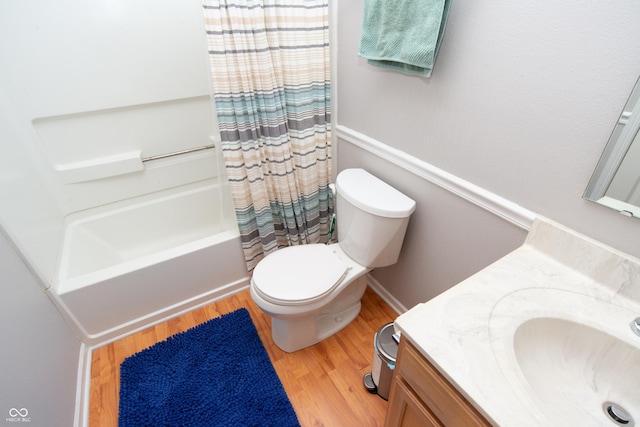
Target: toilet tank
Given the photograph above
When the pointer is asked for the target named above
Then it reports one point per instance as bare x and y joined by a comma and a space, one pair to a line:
372, 218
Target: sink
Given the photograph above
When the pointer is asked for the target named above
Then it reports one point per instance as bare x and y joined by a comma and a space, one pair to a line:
581, 367
541, 337
575, 356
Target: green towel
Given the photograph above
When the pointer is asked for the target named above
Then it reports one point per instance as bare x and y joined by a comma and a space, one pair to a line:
403, 35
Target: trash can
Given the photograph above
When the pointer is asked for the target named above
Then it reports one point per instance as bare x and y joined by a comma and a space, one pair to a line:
384, 361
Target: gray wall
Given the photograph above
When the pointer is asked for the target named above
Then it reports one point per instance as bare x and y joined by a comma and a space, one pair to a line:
448, 238
521, 103
39, 353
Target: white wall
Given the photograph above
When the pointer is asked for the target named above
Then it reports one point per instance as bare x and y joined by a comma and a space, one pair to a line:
521, 102
28, 210
83, 82
39, 354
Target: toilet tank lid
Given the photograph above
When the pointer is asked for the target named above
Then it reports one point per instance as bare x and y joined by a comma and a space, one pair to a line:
373, 195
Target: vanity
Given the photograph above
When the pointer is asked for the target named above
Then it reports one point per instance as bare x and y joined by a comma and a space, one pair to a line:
422, 396
542, 337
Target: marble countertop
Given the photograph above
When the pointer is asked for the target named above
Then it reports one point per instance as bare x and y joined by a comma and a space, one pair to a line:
465, 331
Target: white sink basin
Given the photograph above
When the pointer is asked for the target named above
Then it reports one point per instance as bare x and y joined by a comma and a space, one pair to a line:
574, 355
580, 367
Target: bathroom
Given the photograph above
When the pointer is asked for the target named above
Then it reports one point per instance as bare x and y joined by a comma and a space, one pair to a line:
512, 122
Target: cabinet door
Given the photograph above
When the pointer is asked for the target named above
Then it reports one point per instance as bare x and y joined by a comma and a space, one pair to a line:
447, 404
422, 396
406, 410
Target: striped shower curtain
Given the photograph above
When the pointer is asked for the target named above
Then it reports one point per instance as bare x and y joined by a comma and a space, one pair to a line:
271, 85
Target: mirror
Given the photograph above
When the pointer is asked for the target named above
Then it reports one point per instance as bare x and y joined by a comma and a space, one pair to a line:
616, 180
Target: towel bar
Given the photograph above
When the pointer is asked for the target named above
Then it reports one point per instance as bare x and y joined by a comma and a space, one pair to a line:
177, 153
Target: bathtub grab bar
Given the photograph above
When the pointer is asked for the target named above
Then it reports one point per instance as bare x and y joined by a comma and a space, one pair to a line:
177, 153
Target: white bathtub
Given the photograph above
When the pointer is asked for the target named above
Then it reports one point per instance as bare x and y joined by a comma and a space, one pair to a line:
125, 266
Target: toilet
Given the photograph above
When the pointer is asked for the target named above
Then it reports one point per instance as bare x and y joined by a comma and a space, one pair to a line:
313, 291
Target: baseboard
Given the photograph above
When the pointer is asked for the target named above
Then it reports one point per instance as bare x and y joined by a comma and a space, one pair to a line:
81, 416
386, 296
487, 200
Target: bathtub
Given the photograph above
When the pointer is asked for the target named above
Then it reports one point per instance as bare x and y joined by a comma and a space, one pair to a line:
128, 265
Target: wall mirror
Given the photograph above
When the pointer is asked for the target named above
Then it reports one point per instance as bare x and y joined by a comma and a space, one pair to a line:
616, 180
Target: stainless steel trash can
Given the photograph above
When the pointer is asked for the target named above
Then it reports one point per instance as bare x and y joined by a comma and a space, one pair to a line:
384, 361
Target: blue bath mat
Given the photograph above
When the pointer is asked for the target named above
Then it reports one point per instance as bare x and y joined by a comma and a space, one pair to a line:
215, 374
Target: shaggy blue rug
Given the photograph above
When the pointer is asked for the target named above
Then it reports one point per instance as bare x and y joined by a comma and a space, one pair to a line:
215, 374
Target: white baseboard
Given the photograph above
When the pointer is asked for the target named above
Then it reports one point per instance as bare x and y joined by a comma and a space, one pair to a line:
83, 387
386, 296
487, 200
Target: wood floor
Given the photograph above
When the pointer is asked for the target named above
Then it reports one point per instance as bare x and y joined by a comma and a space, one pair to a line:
323, 382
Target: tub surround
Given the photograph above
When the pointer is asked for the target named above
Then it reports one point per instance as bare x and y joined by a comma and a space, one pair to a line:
468, 332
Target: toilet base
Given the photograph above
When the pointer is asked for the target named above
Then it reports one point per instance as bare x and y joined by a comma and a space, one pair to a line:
293, 334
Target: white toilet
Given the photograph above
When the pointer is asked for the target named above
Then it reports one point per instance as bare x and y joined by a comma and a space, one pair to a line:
313, 291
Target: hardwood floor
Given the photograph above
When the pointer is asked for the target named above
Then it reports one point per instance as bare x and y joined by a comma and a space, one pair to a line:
323, 382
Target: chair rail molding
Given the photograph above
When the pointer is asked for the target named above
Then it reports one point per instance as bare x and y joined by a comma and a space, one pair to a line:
505, 209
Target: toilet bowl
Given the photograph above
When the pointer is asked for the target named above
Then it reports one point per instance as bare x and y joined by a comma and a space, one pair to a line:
313, 291
310, 292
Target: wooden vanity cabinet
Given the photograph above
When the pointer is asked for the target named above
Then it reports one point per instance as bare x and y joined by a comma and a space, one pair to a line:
421, 396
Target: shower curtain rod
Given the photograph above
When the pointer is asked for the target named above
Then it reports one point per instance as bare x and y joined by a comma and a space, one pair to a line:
177, 153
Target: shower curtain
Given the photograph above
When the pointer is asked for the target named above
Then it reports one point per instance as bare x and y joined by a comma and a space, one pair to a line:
271, 85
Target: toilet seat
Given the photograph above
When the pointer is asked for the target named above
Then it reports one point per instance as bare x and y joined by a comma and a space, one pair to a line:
298, 275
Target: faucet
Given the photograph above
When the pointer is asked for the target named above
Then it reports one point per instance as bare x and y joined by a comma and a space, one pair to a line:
635, 326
